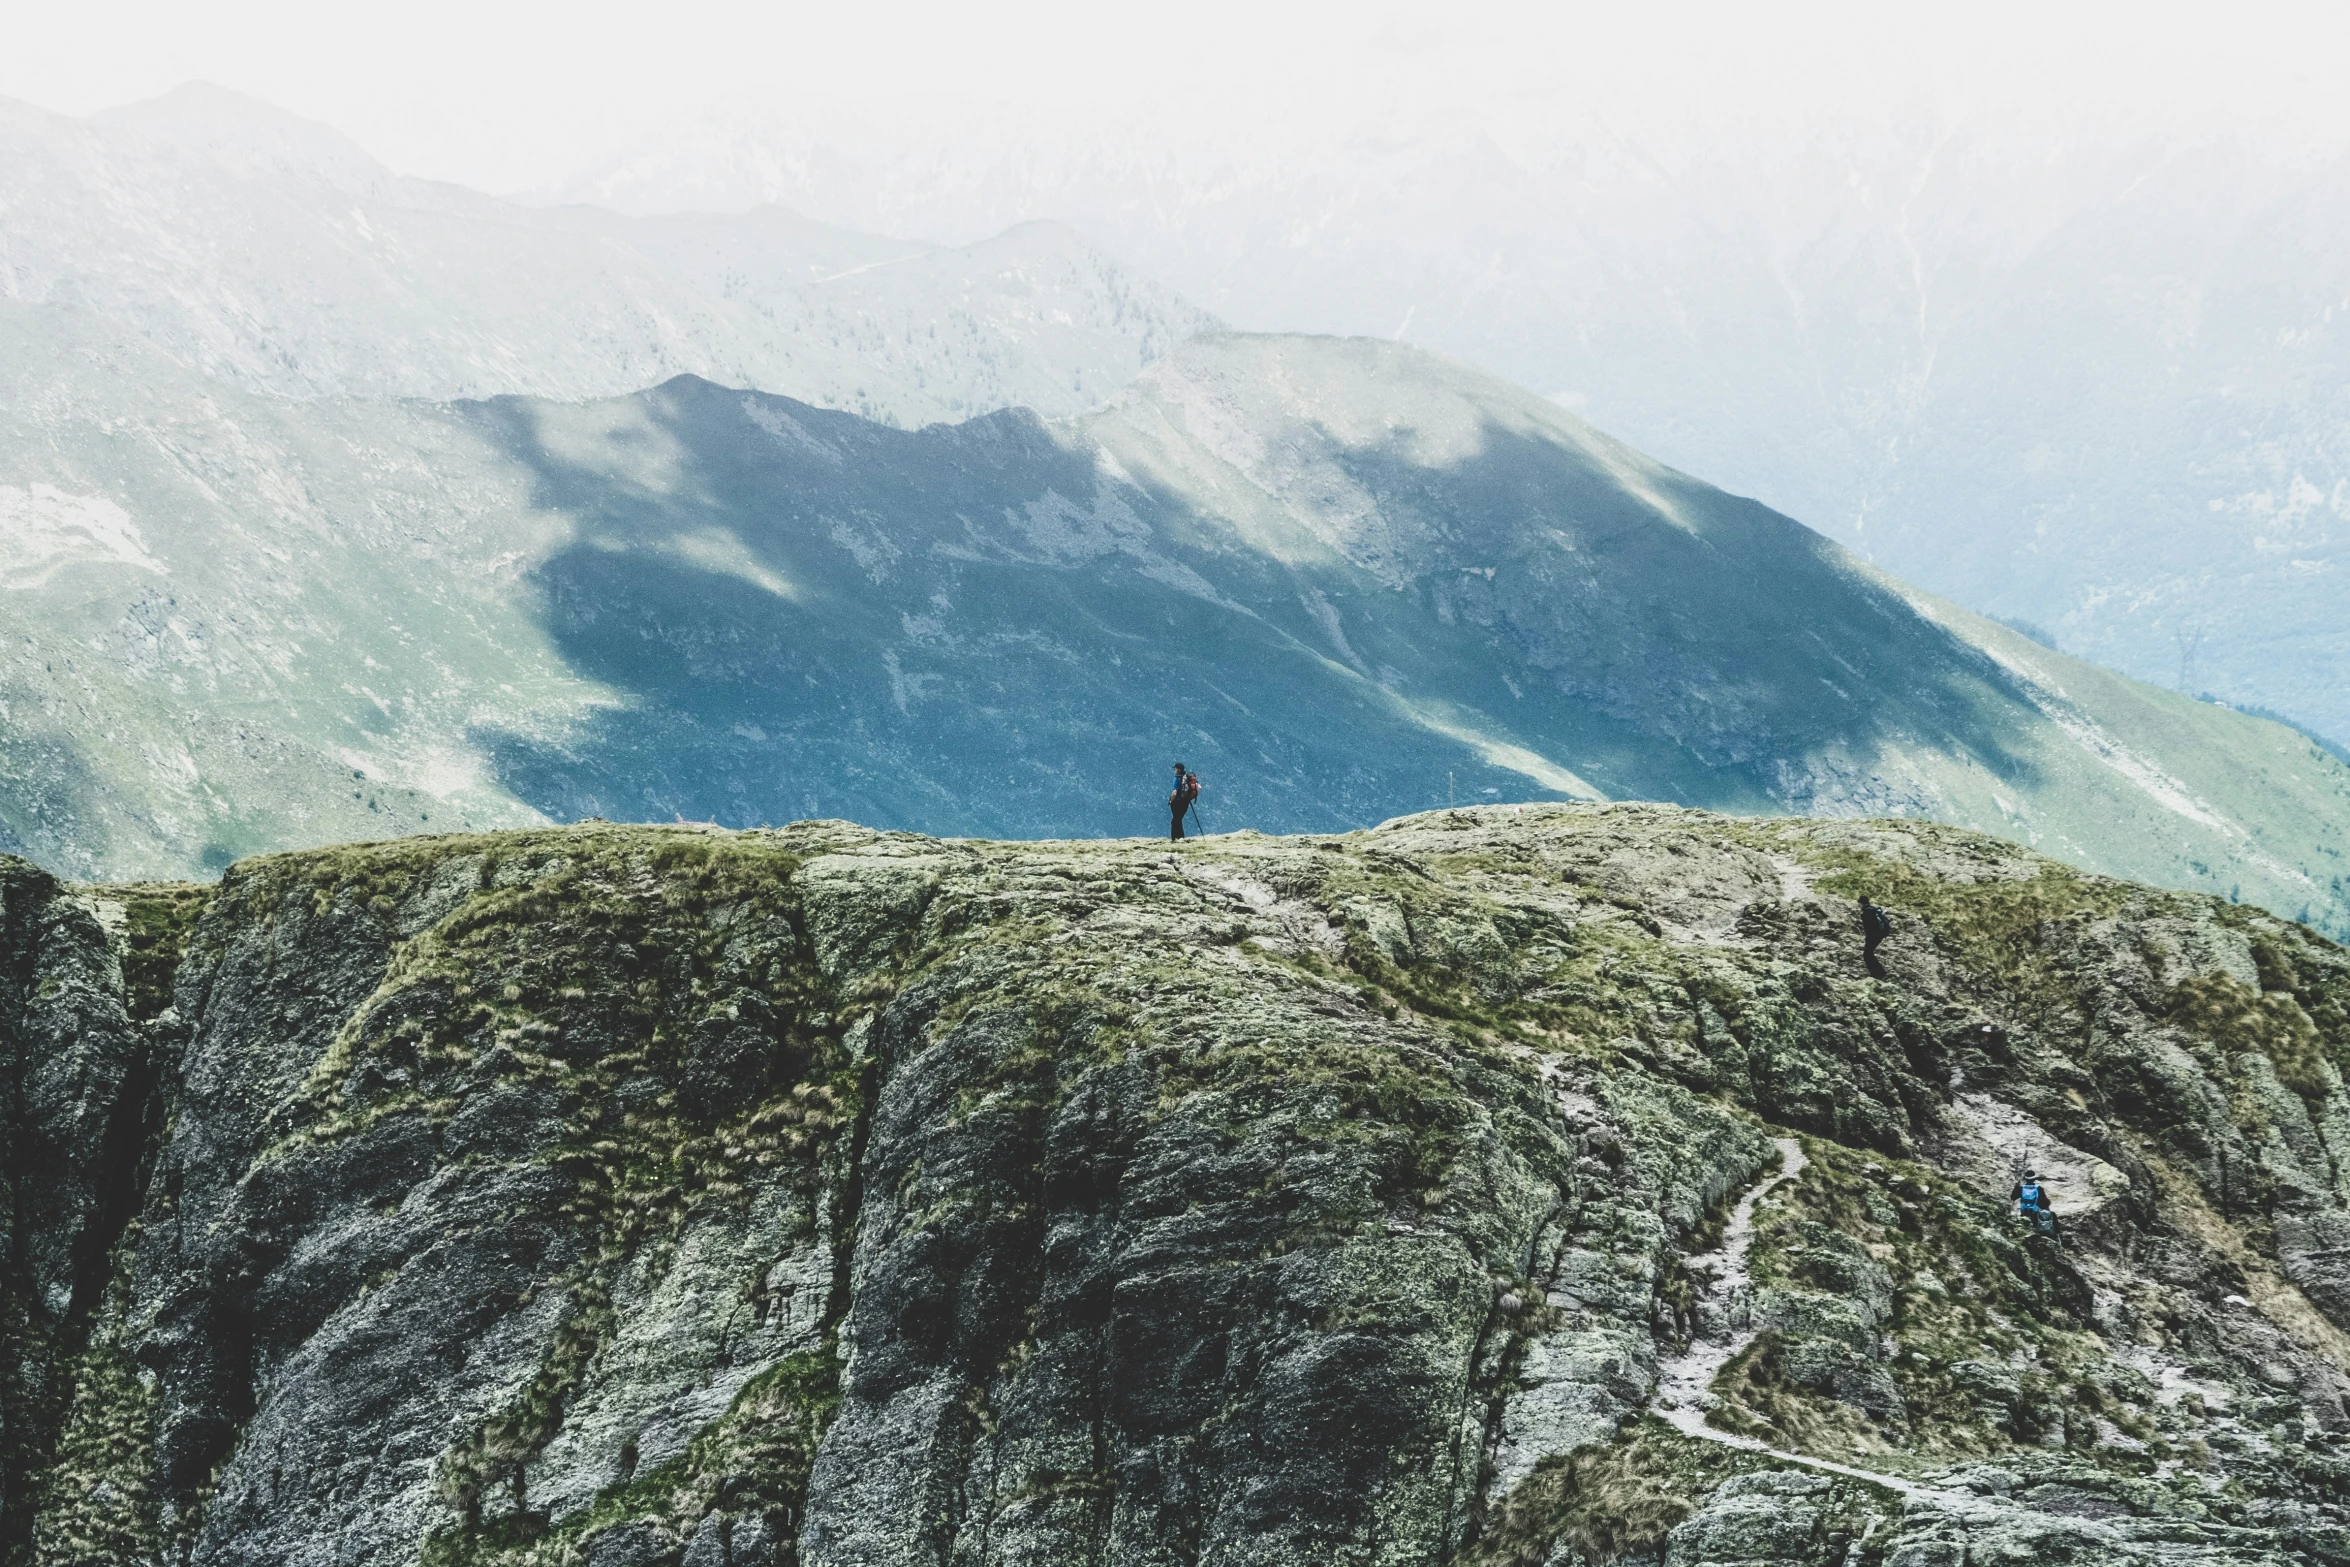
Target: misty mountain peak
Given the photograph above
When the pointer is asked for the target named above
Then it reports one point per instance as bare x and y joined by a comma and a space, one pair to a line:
243, 135
270, 252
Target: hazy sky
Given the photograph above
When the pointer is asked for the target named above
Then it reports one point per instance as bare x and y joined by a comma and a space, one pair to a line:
508, 96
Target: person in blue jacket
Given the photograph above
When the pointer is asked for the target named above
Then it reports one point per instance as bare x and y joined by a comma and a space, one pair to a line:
2031, 1200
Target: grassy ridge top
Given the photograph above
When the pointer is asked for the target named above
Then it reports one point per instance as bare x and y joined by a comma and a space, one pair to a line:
1341, 578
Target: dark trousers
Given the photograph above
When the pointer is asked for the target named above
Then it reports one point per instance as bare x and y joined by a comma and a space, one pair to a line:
1868, 955
1177, 812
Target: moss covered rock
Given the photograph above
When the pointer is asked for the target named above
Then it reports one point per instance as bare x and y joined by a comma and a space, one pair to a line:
666, 1195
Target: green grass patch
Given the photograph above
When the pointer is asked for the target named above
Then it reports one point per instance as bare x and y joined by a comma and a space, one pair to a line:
160, 917
97, 1505
753, 1459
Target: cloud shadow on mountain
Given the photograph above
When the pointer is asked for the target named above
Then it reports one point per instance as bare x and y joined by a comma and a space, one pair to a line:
968, 630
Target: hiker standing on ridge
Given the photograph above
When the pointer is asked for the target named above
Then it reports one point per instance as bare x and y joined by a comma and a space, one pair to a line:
1179, 803
1875, 926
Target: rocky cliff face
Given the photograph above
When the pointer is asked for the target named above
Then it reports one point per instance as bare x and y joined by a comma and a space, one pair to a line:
1536, 1185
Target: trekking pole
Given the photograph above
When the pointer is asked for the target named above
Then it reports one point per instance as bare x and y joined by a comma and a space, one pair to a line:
1192, 811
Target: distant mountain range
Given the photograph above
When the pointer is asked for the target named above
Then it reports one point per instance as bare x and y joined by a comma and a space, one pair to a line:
271, 254
1344, 579
2088, 378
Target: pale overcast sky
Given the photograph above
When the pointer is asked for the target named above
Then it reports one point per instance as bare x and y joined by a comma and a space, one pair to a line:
507, 96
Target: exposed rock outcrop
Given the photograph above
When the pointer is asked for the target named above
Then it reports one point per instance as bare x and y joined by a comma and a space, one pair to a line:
670, 1196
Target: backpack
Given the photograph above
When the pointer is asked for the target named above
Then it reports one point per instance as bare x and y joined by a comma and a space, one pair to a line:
2030, 1195
1190, 787
1880, 922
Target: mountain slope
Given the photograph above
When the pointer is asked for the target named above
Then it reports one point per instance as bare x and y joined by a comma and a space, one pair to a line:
1342, 578
1510, 1185
1750, 660
235, 620
2092, 378
270, 253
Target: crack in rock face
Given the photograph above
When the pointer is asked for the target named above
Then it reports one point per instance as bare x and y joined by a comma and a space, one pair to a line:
1506, 1185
